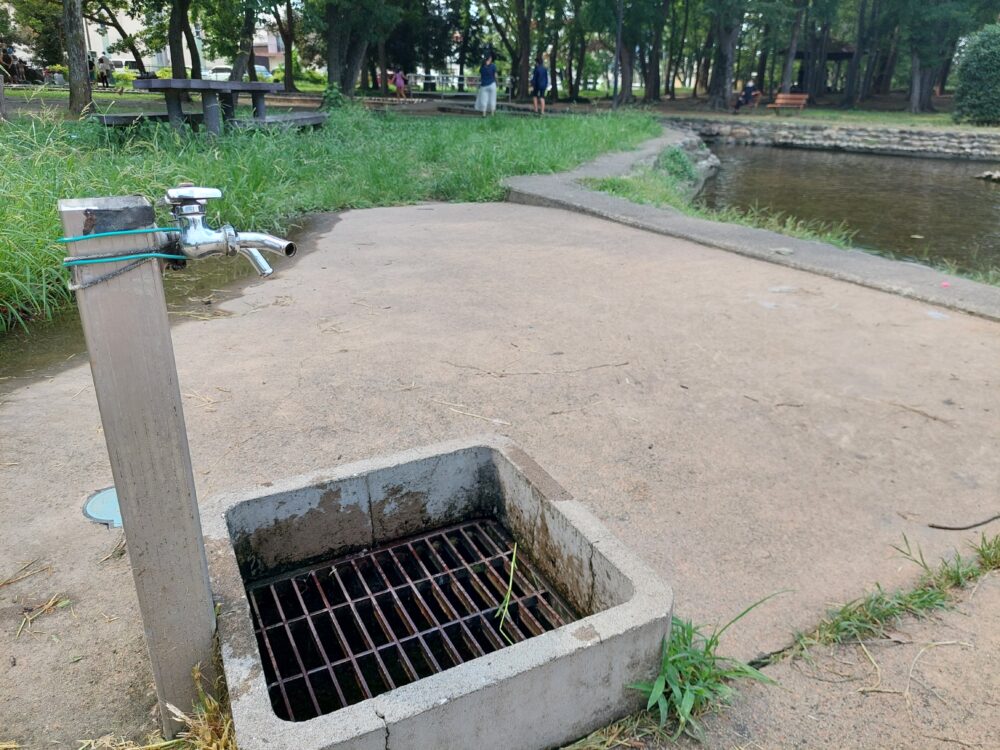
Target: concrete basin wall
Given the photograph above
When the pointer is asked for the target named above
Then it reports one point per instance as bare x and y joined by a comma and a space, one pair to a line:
539, 693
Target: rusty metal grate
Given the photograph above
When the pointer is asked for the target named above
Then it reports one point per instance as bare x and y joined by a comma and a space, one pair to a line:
341, 632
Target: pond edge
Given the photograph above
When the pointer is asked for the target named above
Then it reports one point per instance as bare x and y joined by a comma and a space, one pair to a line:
903, 278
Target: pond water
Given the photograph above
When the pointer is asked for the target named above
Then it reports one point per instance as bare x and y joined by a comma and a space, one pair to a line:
927, 209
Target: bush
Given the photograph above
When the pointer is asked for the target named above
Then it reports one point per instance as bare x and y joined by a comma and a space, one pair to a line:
59, 69
333, 98
977, 95
310, 75
125, 76
169, 73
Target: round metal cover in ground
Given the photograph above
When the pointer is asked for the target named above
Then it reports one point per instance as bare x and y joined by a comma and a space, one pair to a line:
102, 507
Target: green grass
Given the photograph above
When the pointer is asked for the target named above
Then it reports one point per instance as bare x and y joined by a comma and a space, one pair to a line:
668, 184
692, 678
878, 611
358, 160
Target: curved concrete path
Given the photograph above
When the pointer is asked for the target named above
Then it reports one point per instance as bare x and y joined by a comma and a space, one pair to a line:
746, 427
564, 190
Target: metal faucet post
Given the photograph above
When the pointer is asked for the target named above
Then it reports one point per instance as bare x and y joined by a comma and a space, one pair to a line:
117, 276
197, 240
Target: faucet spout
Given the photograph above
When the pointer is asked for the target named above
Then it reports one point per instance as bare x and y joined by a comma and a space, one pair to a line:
198, 240
267, 242
250, 244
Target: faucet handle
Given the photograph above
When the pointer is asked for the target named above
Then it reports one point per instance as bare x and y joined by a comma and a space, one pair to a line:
187, 193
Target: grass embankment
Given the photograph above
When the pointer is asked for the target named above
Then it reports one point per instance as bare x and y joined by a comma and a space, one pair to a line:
669, 181
358, 160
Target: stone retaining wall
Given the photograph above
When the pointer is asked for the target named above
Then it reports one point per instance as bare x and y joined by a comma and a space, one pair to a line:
925, 142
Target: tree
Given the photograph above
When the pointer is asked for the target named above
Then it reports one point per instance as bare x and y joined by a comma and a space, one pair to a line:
286, 30
727, 19
977, 95
511, 20
933, 30
106, 13
76, 55
41, 25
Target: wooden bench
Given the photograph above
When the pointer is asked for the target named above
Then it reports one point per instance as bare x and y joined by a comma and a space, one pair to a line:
788, 101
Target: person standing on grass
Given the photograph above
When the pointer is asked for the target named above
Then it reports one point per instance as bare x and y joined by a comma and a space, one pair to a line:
486, 100
399, 82
539, 85
104, 71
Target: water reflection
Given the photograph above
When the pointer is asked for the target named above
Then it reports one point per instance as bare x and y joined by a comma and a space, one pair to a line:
929, 209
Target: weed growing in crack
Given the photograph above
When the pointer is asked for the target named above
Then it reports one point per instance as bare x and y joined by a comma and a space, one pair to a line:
988, 552
874, 614
692, 676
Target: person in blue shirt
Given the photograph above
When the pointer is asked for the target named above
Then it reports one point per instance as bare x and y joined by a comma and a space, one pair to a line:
486, 101
539, 85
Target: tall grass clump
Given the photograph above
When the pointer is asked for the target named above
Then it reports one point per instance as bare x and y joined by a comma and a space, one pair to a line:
358, 160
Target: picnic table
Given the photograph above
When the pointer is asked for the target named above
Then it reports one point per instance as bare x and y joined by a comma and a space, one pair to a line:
218, 103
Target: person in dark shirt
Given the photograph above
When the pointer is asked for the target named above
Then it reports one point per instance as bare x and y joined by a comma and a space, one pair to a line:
539, 85
486, 101
749, 93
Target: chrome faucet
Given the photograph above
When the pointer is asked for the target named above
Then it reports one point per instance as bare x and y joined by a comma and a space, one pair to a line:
198, 240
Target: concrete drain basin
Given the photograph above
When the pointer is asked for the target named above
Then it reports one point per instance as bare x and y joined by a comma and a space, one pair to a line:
359, 607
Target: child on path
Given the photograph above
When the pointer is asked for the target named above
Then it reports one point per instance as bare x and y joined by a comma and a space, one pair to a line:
399, 81
539, 85
486, 100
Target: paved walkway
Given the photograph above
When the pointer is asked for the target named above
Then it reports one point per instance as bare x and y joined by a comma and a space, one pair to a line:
746, 427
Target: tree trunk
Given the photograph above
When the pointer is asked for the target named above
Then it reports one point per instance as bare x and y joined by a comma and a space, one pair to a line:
554, 59
522, 59
286, 30
851, 88
946, 70
581, 56
786, 76
355, 59
383, 66
175, 38
80, 97
928, 76
883, 80
915, 79
672, 82
243, 64
721, 87
335, 41
652, 78
704, 62
765, 51
627, 73
192, 44
817, 68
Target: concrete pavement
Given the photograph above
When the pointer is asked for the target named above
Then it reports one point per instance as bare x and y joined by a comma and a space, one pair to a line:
745, 427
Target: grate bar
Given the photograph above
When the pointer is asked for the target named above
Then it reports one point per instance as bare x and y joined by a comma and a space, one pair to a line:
351, 629
322, 649
427, 652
